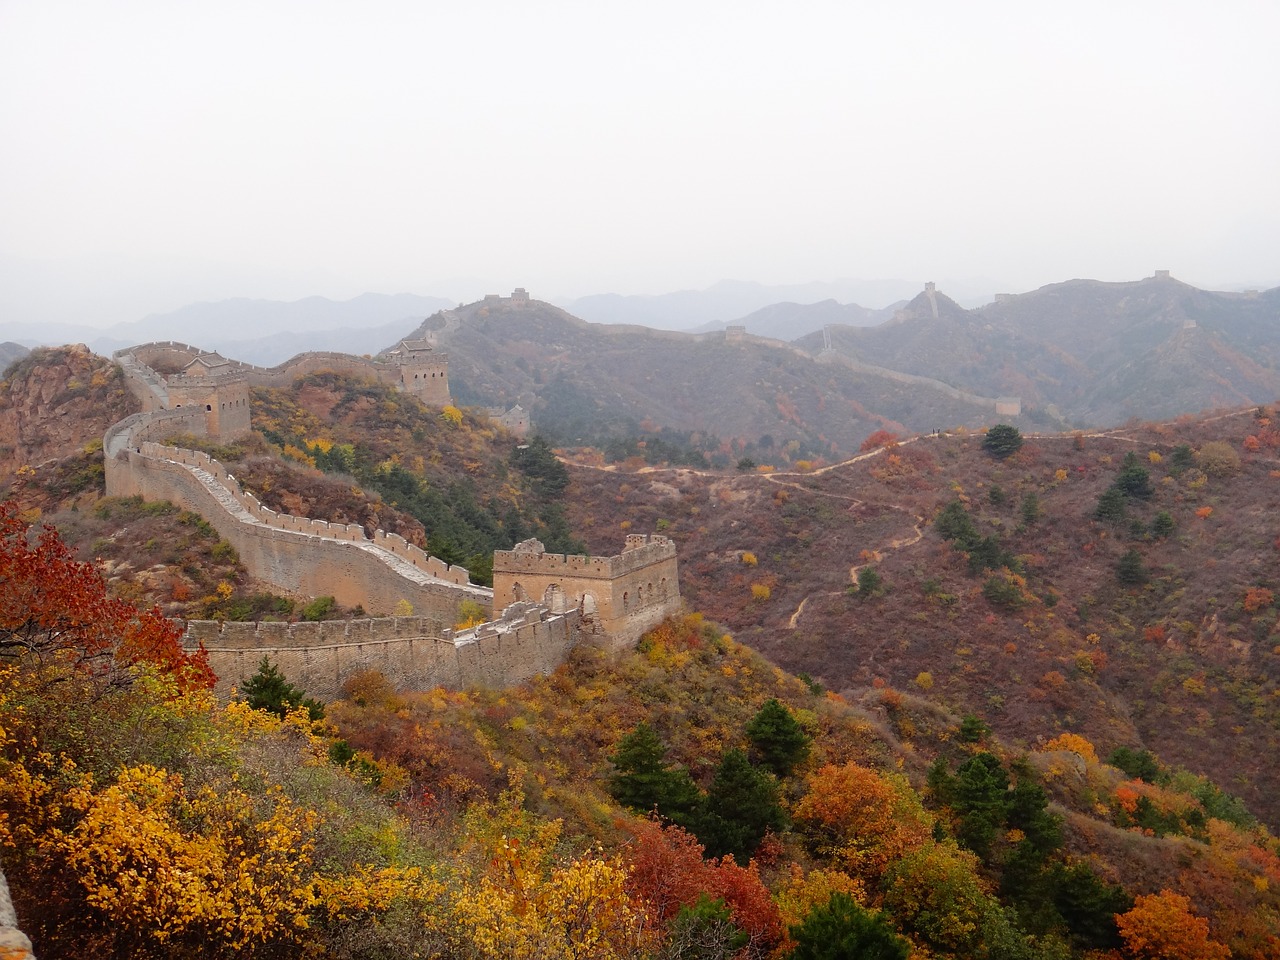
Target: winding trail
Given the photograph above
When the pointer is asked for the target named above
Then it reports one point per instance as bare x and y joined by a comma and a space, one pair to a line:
790, 479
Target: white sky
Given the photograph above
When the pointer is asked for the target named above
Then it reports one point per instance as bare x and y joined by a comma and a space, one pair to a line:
159, 153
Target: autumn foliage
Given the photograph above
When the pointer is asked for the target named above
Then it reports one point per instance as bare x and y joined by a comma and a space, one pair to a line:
55, 614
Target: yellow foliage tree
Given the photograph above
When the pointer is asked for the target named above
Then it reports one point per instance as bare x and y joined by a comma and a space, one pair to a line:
1073, 743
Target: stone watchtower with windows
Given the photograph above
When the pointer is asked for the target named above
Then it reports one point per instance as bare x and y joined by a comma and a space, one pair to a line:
623, 596
423, 372
214, 384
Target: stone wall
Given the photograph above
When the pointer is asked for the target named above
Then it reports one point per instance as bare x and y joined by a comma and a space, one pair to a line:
295, 555
426, 377
414, 653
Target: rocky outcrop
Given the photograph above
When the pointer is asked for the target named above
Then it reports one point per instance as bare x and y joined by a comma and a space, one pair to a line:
53, 400
14, 944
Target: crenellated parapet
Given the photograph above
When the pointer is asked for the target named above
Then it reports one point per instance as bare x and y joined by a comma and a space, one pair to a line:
414, 653
300, 556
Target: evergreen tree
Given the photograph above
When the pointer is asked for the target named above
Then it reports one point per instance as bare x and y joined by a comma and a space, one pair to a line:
1111, 508
842, 930
643, 781
1089, 906
870, 583
1134, 480
954, 523
741, 806
1163, 525
1031, 509
981, 801
1139, 764
779, 741
1182, 459
269, 690
1002, 441
1130, 569
972, 730
537, 461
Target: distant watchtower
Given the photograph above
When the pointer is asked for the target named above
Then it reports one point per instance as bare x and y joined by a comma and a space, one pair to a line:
423, 372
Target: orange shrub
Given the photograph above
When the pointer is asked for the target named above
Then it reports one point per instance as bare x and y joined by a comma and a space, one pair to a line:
1257, 598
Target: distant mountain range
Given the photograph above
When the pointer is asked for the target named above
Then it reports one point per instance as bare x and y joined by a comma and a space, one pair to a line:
1075, 354
729, 301
257, 331
1089, 352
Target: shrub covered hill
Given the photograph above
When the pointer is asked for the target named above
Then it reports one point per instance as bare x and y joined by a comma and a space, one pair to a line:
330, 447
1120, 585
714, 399
1019, 702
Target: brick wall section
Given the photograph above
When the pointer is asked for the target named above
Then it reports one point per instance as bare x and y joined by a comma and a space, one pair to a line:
414, 653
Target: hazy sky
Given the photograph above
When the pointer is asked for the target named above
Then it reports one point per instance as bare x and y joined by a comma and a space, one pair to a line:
160, 153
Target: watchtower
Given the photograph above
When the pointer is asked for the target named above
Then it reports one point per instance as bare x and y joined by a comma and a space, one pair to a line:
423, 372
624, 595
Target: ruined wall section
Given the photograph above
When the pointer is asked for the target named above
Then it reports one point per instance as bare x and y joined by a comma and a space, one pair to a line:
414, 653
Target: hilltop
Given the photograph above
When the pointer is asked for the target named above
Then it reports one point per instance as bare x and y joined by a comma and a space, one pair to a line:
586, 383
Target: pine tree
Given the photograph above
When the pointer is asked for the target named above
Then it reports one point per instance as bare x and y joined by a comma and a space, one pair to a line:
741, 806
842, 930
643, 780
269, 690
778, 739
1130, 569
1002, 441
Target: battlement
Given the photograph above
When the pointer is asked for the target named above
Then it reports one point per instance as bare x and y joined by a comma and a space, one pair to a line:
221, 385
414, 653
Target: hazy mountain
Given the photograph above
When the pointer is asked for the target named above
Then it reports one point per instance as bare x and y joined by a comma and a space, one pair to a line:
788, 321
253, 329
1099, 353
588, 381
729, 300
10, 353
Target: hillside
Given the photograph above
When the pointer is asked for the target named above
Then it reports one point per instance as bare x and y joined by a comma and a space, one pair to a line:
586, 383
1181, 663
683, 799
1098, 353
1075, 595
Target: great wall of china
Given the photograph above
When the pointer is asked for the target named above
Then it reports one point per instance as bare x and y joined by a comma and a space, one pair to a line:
540, 606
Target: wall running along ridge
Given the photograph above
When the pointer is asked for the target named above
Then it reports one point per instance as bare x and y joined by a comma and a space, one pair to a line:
611, 599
